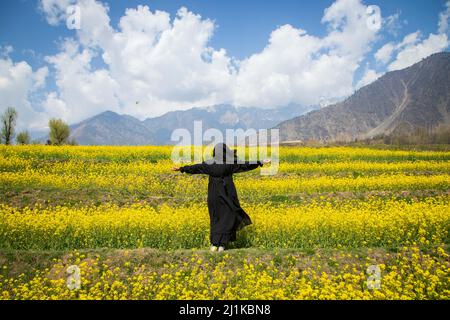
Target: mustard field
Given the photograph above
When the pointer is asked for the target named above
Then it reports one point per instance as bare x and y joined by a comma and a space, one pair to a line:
136, 230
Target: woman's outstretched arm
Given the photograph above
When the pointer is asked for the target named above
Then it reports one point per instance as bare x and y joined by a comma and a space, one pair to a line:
194, 169
247, 166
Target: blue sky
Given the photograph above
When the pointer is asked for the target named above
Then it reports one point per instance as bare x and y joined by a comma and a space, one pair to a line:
94, 69
243, 27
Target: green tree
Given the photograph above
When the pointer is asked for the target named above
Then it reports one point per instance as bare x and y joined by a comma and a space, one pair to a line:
59, 132
73, 142
9, 118
23, 138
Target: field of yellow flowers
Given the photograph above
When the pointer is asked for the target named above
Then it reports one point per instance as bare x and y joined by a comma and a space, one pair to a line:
136, 230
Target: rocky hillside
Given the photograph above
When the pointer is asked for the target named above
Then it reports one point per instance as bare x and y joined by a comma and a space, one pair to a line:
418, 96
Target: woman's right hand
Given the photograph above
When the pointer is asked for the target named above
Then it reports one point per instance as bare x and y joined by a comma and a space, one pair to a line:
176, 169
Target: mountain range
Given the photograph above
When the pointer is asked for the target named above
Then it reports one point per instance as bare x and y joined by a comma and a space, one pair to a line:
403, 100
110, 128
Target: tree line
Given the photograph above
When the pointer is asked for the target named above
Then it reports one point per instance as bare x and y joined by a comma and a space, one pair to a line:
59, 131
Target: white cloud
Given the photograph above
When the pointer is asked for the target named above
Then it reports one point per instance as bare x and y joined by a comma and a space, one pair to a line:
414, 48
55, 107
82, 90
393, 24
17, 82
368, 77
39, 77
54, 10
443, 19
384, 54
349, 33
414, 52
301, 68
6, 51
409, 40
166, 63
162, 64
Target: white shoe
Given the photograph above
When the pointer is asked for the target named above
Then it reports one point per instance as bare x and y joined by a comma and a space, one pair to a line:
213, 248
221, 249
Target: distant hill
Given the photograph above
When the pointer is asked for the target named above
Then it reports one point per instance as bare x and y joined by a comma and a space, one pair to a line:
418, 96
110, 128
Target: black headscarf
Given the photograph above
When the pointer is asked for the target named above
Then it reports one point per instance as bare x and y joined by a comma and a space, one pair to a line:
223, 154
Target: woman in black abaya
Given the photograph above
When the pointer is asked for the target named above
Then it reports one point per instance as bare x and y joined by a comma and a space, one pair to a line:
225, 212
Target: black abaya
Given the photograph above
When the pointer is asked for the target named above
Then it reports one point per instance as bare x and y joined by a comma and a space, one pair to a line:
225, 212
